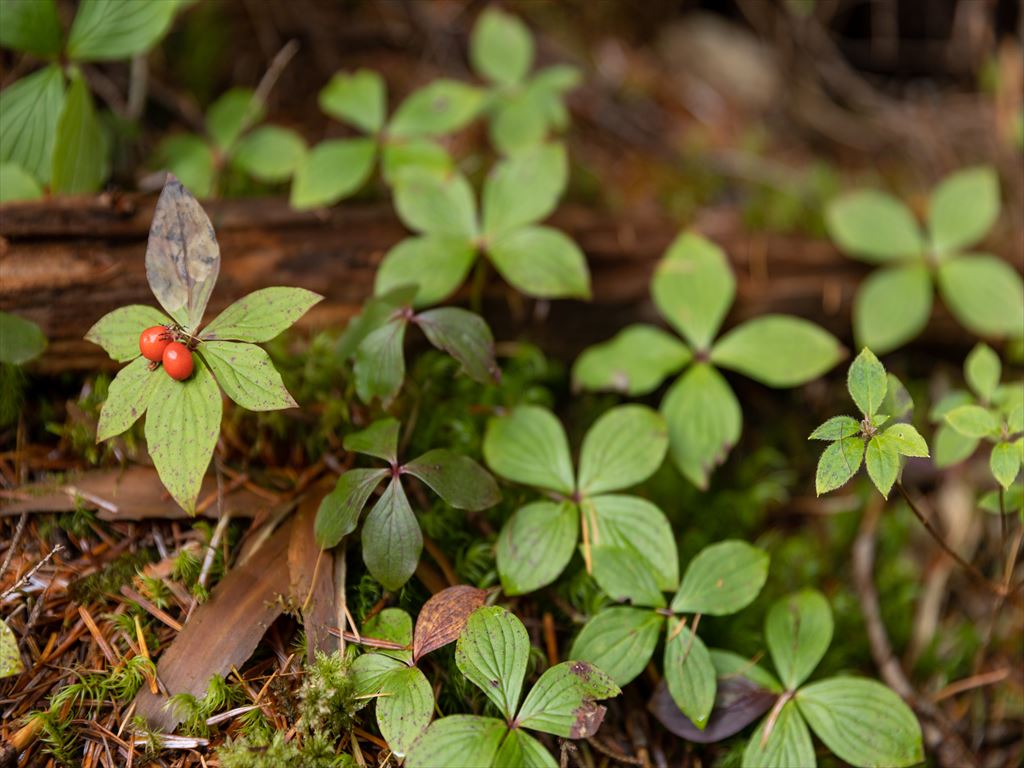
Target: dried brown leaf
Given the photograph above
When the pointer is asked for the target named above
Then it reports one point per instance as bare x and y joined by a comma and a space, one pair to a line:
443, 616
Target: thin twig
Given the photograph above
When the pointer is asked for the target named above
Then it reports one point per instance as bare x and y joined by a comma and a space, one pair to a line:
14, 543
32, 571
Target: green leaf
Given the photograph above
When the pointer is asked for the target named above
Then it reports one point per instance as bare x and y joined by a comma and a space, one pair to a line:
689, 673
1005, 463
798, 630
787, 745
380, 363
963, 208
118, 332
625, 446
189, 158
182, 427
528, 446
948, 402
985, 294
983, 370
704, 422
457, 479
693, 288
270, 153
873, 226
339, 510
232, 115
838, 463
435, 205
377, 311
623, 576
29, 111
524, 189
722, 579
31, 26
398, 155
392, 540
892, 307
394, 625
729, 664
17, 184
521, 750
437, 109
436, 264
542, 262
620, 641
492, 652
972, 421
778, 350
380, 439
518, 120
370, 671
634, 362
862, 722
836, 428
637, 525
127, 398
404, 708
535, 545
951, 447
261, 315
867, 382
10, 657
358, 98
907, 440
465, 336
104, 30
883, 461
80, 148
500, 47
22, 340
898, 402
458, 740
331, 171
247, 375
562, 701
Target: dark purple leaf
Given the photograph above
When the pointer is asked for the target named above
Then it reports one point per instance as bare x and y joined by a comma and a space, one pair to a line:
738, 703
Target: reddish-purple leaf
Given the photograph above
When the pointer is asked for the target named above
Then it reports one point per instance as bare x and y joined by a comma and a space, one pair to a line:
443, 616
738, 703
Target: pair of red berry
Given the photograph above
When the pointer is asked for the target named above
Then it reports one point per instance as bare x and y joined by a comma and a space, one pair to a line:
157, 344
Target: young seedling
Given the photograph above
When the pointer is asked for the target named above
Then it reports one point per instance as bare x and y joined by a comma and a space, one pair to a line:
183, 400
984, 293
852, 439
518, 192
389, 673
492, 653
693, 288
336, 168
523, 110
392, 540
722, 579
624, 447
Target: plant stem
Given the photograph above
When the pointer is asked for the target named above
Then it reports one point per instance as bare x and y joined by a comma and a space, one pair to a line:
1002, 525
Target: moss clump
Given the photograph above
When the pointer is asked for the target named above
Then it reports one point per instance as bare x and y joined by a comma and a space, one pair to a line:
315, 752
327, 699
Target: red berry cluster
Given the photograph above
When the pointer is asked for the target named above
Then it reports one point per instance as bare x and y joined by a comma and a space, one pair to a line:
158, 344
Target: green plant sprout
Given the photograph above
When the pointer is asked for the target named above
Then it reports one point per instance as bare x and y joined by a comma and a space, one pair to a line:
50, 133
21, 342
234, 139
722, 579
183, 417
523, 110
337, 168
518, 192
624, 447
391, 538
693, 288
985, 294
492, 652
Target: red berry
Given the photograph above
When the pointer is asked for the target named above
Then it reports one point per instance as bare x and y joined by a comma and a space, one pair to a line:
178, 361
153, 342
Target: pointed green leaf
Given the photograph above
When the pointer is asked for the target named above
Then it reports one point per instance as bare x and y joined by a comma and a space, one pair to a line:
376, 312
270, 153
247, 375
31, 26
637, 525
541, 262
331, 171
436, 264
80, 162
231, 115
983, 370
518, 120
535, 545
339, 510
907, 440
465, 336
404, 708
1005, 462
261, 315
392, 540
127, 398
798, 630
873, 226
436, 205
897, 402
191, 159
972, 421
443, 107
778, 350
836, 428
369, 672
500, 47
689, 673
358, 98
838, 463
951, 447
524, 188
380, 363
625, 446
521, 750
948, 402
457, 479
623, 576
634, 361
492, 652
398, 155
867, 382
10, 657
118, 332
393, 625
563, 701
458, 740
892, 307
729, 664
104, 30
786, 745
17, 184
380, 439
619, 641
29, 111
21, 340
985, 294
528, 446
722, 579
883, 461
963, 208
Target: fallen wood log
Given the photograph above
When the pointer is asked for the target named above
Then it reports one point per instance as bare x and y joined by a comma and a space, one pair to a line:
65, 262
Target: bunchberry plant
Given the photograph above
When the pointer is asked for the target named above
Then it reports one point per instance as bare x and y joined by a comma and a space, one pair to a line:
50, 133
388, 673
375, 341
624, 447
336, 168
392, 540
984, 293
184, 411
990, 411
234, 140
693, 288
861, 721
722, 579
492, 652
523, 109
855, 441
518, 192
